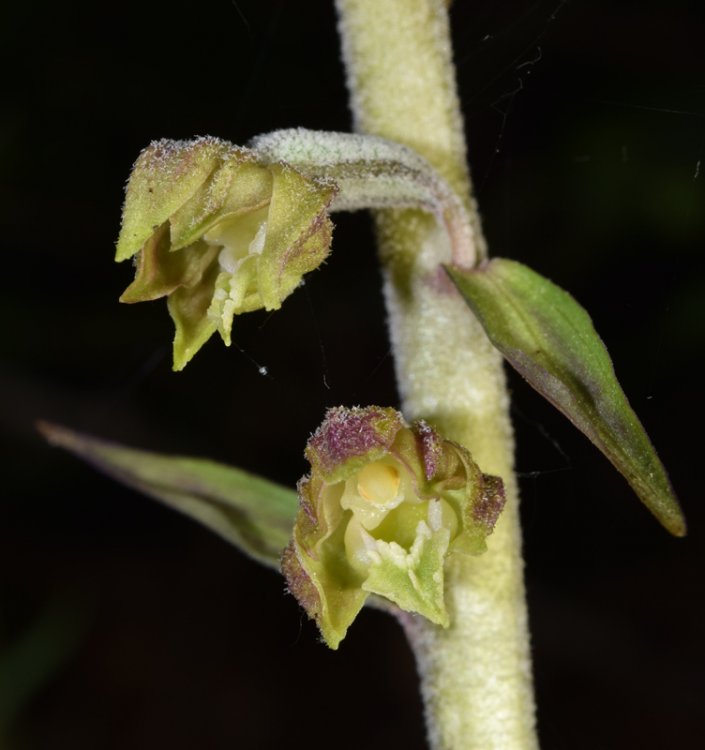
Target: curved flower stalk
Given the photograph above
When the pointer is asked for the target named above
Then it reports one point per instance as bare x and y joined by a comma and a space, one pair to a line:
373, 172
384, 507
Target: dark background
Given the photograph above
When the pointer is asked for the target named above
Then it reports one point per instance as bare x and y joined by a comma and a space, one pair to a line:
123, 625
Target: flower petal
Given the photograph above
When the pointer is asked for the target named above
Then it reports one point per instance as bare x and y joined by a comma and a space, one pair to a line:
237, 186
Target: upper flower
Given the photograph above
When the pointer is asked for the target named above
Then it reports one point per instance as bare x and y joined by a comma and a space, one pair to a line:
219, 231
384, 506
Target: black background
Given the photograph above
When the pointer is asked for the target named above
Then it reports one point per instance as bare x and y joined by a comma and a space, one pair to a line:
123, 625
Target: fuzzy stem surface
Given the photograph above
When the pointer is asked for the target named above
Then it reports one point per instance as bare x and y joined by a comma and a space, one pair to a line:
476, 674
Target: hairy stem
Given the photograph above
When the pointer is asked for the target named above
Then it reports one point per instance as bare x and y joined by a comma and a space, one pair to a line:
475, 675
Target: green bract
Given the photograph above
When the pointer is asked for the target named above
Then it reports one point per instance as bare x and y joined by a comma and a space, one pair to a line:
550, 340
383, 508
219, 231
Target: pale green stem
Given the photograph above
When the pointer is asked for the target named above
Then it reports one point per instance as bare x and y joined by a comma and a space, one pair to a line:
475, 675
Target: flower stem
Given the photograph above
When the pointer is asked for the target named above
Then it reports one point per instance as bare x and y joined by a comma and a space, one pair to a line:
475, 675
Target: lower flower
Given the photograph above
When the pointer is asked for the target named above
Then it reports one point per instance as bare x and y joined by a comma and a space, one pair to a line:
386, 504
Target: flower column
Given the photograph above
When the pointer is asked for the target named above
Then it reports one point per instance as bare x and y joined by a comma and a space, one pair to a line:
476, 680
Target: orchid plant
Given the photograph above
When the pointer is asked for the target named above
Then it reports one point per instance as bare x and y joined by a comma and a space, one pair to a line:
413, 511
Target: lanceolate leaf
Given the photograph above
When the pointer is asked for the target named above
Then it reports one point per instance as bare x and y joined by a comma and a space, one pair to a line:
252, 513
550, 340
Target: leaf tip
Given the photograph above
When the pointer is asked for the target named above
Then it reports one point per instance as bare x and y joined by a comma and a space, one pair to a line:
54, 434
676, 524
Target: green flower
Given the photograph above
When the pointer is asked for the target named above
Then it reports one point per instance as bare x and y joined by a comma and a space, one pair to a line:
384, 507
219, 231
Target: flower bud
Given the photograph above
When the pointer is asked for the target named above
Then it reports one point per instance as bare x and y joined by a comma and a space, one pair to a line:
219, 231
384, 507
